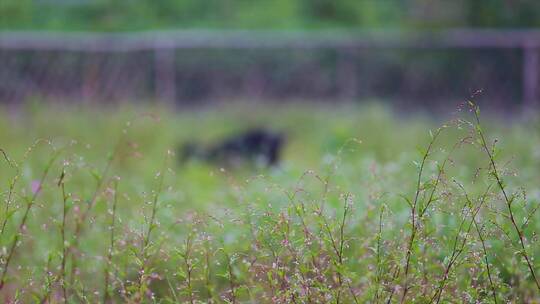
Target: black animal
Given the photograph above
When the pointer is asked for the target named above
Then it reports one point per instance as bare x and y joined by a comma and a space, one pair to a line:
260, 147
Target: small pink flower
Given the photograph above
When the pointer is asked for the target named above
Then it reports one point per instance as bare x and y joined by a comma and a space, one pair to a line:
36, 186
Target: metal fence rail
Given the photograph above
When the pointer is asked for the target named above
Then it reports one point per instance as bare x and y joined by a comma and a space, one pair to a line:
165, 45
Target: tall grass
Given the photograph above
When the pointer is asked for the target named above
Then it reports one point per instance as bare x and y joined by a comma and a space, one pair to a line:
460, 225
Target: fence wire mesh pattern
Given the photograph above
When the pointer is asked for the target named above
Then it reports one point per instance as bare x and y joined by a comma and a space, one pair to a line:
190, 67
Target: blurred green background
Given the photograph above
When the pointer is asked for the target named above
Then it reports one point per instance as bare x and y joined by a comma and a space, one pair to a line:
422, 75
128, 15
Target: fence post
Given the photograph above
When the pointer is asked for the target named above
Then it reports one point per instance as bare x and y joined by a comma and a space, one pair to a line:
165, 74
530, 75
90, 78
346, 74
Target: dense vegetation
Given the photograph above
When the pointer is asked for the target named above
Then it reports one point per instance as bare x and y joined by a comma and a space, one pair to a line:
366, 207
115, 15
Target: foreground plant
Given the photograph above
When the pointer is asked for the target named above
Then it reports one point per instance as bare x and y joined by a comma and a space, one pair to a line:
30, 201
508, 199
312, 240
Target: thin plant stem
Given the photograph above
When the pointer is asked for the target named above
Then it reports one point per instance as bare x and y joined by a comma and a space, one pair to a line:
61, 184
110, 252
151, 226
459, 245
484, 249
508, 201
414, 226
79, 225
379, 270
22, 224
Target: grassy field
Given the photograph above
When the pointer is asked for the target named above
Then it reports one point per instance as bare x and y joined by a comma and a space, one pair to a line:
367, 206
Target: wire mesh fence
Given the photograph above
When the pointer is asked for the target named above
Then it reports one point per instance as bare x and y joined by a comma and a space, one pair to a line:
415, 69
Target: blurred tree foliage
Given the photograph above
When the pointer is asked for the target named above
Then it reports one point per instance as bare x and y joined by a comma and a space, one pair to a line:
126, 15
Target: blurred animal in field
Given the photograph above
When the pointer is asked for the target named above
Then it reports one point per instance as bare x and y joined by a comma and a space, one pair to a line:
260, 147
